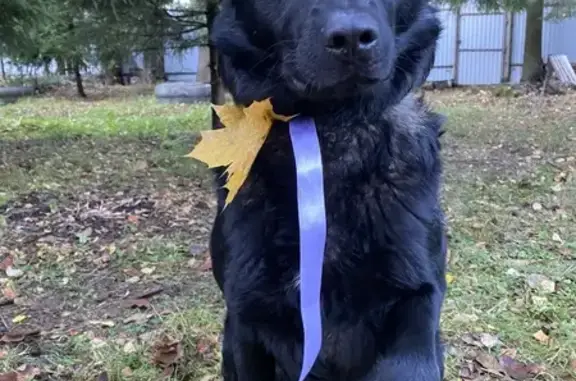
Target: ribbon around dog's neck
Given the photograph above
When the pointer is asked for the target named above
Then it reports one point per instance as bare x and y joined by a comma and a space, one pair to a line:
236, 147
312, 225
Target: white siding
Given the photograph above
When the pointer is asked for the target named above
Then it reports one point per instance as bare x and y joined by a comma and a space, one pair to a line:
445, 61
482, 45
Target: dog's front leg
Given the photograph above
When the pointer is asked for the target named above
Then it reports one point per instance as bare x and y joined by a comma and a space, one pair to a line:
243, 357
411, 342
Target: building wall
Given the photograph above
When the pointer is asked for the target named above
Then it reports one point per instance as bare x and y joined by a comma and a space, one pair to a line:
181, 66
445, 61
481, 48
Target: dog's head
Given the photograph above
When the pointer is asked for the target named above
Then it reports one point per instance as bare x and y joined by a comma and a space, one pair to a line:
324, 50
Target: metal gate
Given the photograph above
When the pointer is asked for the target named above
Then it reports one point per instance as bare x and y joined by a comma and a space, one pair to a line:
481, 47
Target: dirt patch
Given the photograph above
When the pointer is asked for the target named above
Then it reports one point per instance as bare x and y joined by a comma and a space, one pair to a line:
98, 261
96, 218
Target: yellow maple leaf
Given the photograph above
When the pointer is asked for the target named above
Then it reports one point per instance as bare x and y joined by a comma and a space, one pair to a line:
236, 145
19, 319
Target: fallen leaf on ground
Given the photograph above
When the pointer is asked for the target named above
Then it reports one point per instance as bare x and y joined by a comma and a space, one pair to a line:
136, 303
202, 347
6, 262
510, 352
73, 332
470, 339
134, 279
488, 340
19, 319
539, 300
131, 272
10, 376
196, 250
468, 371
103, 261
105, 258
28, 372
129, 347
12, 272
561, 177
23, 373
565, 251
542, 337
138, 318
9, 293
206, 265
518, 370
166, 352
488, 362
206, 343
97, 342
573, 365
16, 337
541, 282
513, 272
482, 340
147, 270
556, 238
127, 372
167, 372
449, 278
103, 323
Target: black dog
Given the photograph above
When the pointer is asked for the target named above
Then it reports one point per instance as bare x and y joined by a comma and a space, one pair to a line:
351, 65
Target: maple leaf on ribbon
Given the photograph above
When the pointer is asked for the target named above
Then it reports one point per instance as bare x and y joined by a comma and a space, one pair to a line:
236, 145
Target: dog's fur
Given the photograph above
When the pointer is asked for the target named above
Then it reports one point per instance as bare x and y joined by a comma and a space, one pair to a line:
384, 267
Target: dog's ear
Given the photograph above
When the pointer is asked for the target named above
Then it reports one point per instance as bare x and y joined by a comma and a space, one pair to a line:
245, 61
230, 37
416, 52
238, 56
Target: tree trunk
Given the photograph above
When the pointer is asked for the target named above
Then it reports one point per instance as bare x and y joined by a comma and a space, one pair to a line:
61, 64
119, 74
78, 77
71, 67
217, 95
154, 64
108, 76
533, 66
2, 68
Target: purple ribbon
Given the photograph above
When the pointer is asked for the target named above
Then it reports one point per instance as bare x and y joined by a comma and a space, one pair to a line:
312, 225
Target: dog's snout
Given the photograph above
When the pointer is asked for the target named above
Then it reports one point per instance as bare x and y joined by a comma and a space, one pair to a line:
351, 32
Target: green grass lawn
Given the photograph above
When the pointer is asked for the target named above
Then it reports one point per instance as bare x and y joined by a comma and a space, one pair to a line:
104, 226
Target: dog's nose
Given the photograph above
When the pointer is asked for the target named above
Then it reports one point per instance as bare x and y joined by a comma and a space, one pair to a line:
350, 32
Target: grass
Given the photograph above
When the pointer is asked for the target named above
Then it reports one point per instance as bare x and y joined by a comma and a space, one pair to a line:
106, 224
510, 196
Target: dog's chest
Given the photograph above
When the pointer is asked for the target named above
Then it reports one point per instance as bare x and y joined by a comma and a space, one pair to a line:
369, 227
348, 351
